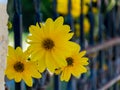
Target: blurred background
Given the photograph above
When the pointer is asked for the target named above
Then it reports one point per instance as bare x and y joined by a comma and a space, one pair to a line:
96, 27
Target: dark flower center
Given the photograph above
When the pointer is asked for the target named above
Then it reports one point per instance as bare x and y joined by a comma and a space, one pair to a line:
19, 67
69, 61
48, 44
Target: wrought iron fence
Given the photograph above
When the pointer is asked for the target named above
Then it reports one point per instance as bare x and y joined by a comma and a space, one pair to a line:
103, 50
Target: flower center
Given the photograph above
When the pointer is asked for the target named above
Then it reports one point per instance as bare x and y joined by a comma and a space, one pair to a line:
48, 44
69, 61
19, 67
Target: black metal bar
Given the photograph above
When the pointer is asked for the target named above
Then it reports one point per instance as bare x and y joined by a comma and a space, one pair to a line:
70, 84
91, 33
55, 15
93, 70
37, 11
82, 37
82, 80
17, 23
56, 77
28, 88
115, 60
56, 82
17, 26
101, 53
70, 18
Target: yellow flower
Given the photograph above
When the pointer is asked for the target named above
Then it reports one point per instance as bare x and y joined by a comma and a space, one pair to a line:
85, 9
86, 26
86, 1
9, 24
75, 65
76, 7
77, 29
49, 43
95, 10
94, 0
62, 6
19, 68
95, 6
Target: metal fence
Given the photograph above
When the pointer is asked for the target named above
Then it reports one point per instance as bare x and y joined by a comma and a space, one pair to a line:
103, 51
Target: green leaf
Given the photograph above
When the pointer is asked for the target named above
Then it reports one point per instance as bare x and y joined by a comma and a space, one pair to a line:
111, 4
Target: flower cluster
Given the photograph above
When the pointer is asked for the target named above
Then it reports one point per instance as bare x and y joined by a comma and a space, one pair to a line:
62, 7
49, 49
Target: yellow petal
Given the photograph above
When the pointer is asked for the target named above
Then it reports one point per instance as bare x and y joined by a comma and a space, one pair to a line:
70, 47
66, 74
59, 21
58, 71
81, 54
82, 69
17, 77
50, 62
59, 58
33, 70
41, 65
36, 32
37, 55
19, 52
68, 36
84, 61
66, 28
76, 72
11, 51
27, 79
9, 73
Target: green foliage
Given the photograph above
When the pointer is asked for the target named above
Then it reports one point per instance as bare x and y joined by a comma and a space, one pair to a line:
46, 9
28, 11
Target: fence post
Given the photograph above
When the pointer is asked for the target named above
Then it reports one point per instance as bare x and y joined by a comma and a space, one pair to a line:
3, 41
82, 45
17, 26
56, 77
71, 84
93, 75
37, 11
101, 52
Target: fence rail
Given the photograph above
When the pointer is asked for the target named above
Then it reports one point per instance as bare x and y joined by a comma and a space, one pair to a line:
104, 45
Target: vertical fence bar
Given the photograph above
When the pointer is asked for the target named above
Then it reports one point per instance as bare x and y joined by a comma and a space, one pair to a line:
109, 51
117, 62
70, 19
56, 77
114, 32
17, 23
81, 82
37, 10
82, 37
71, 84
93, 79
17, 26
56, 82
100, 39
55, 15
